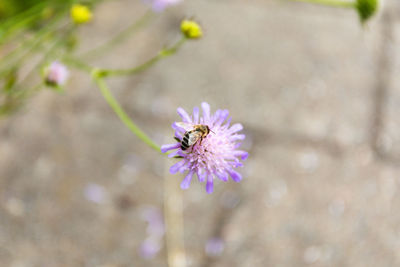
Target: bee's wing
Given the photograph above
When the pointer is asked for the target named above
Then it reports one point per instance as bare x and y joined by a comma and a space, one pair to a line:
185, 126
193, 138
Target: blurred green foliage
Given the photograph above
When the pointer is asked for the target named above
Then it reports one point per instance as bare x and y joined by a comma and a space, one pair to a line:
42, 31
30, 28
11, 8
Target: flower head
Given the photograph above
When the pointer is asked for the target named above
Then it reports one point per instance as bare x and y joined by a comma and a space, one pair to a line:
80, 14
56, 74
191, 29
160, 5
214, 156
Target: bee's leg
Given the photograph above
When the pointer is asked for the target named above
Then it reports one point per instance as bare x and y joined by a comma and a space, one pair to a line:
177, 139
192, 147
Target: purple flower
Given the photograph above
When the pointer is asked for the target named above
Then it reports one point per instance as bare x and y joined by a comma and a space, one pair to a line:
95, 193
214, 246
153, 217
56, 74
150, 247
160, 5
155, 232
216, 155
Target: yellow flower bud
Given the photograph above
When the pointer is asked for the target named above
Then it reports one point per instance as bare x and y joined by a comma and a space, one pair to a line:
80, 14
191, 29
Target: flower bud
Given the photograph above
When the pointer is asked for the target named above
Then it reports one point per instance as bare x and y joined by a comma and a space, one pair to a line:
191, 29
366, 9
80, 14
56, 74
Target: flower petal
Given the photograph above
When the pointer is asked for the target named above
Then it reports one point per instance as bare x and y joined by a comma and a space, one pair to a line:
236, 137
174, 153
178, 128
210, 184
223, 176
215, 116
236, 164
185, 117
228, 122
201, 175
222, 117
240, 153
196, 114
237, 177
176, 167
178, 135
235, 128
186, 182
165, 148
206, 112
237, 145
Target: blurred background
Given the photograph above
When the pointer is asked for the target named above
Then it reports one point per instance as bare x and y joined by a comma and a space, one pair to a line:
319, 97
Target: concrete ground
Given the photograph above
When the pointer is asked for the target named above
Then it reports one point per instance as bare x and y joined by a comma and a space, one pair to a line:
318, 95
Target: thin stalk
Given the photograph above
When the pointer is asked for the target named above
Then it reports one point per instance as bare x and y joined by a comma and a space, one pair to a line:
76, 63
122, 114
174, 222
166, 52
47, 56
10, 60
332, 3
18, 22
118, 38
29, 52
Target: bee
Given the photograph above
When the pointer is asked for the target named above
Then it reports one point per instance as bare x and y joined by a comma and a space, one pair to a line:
194, 133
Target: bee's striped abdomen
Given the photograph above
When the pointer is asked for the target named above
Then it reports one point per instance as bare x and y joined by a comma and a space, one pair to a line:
185, 141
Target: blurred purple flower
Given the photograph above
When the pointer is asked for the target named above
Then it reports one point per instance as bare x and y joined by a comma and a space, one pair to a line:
160, 5
153, 217
95, 193
56, 74
214, 246
150, 247
218, 153
155, 232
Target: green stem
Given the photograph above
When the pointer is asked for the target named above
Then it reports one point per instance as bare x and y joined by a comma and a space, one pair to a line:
74, 62
333, 3
121, 113
162, 54
119, 38
99, 75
